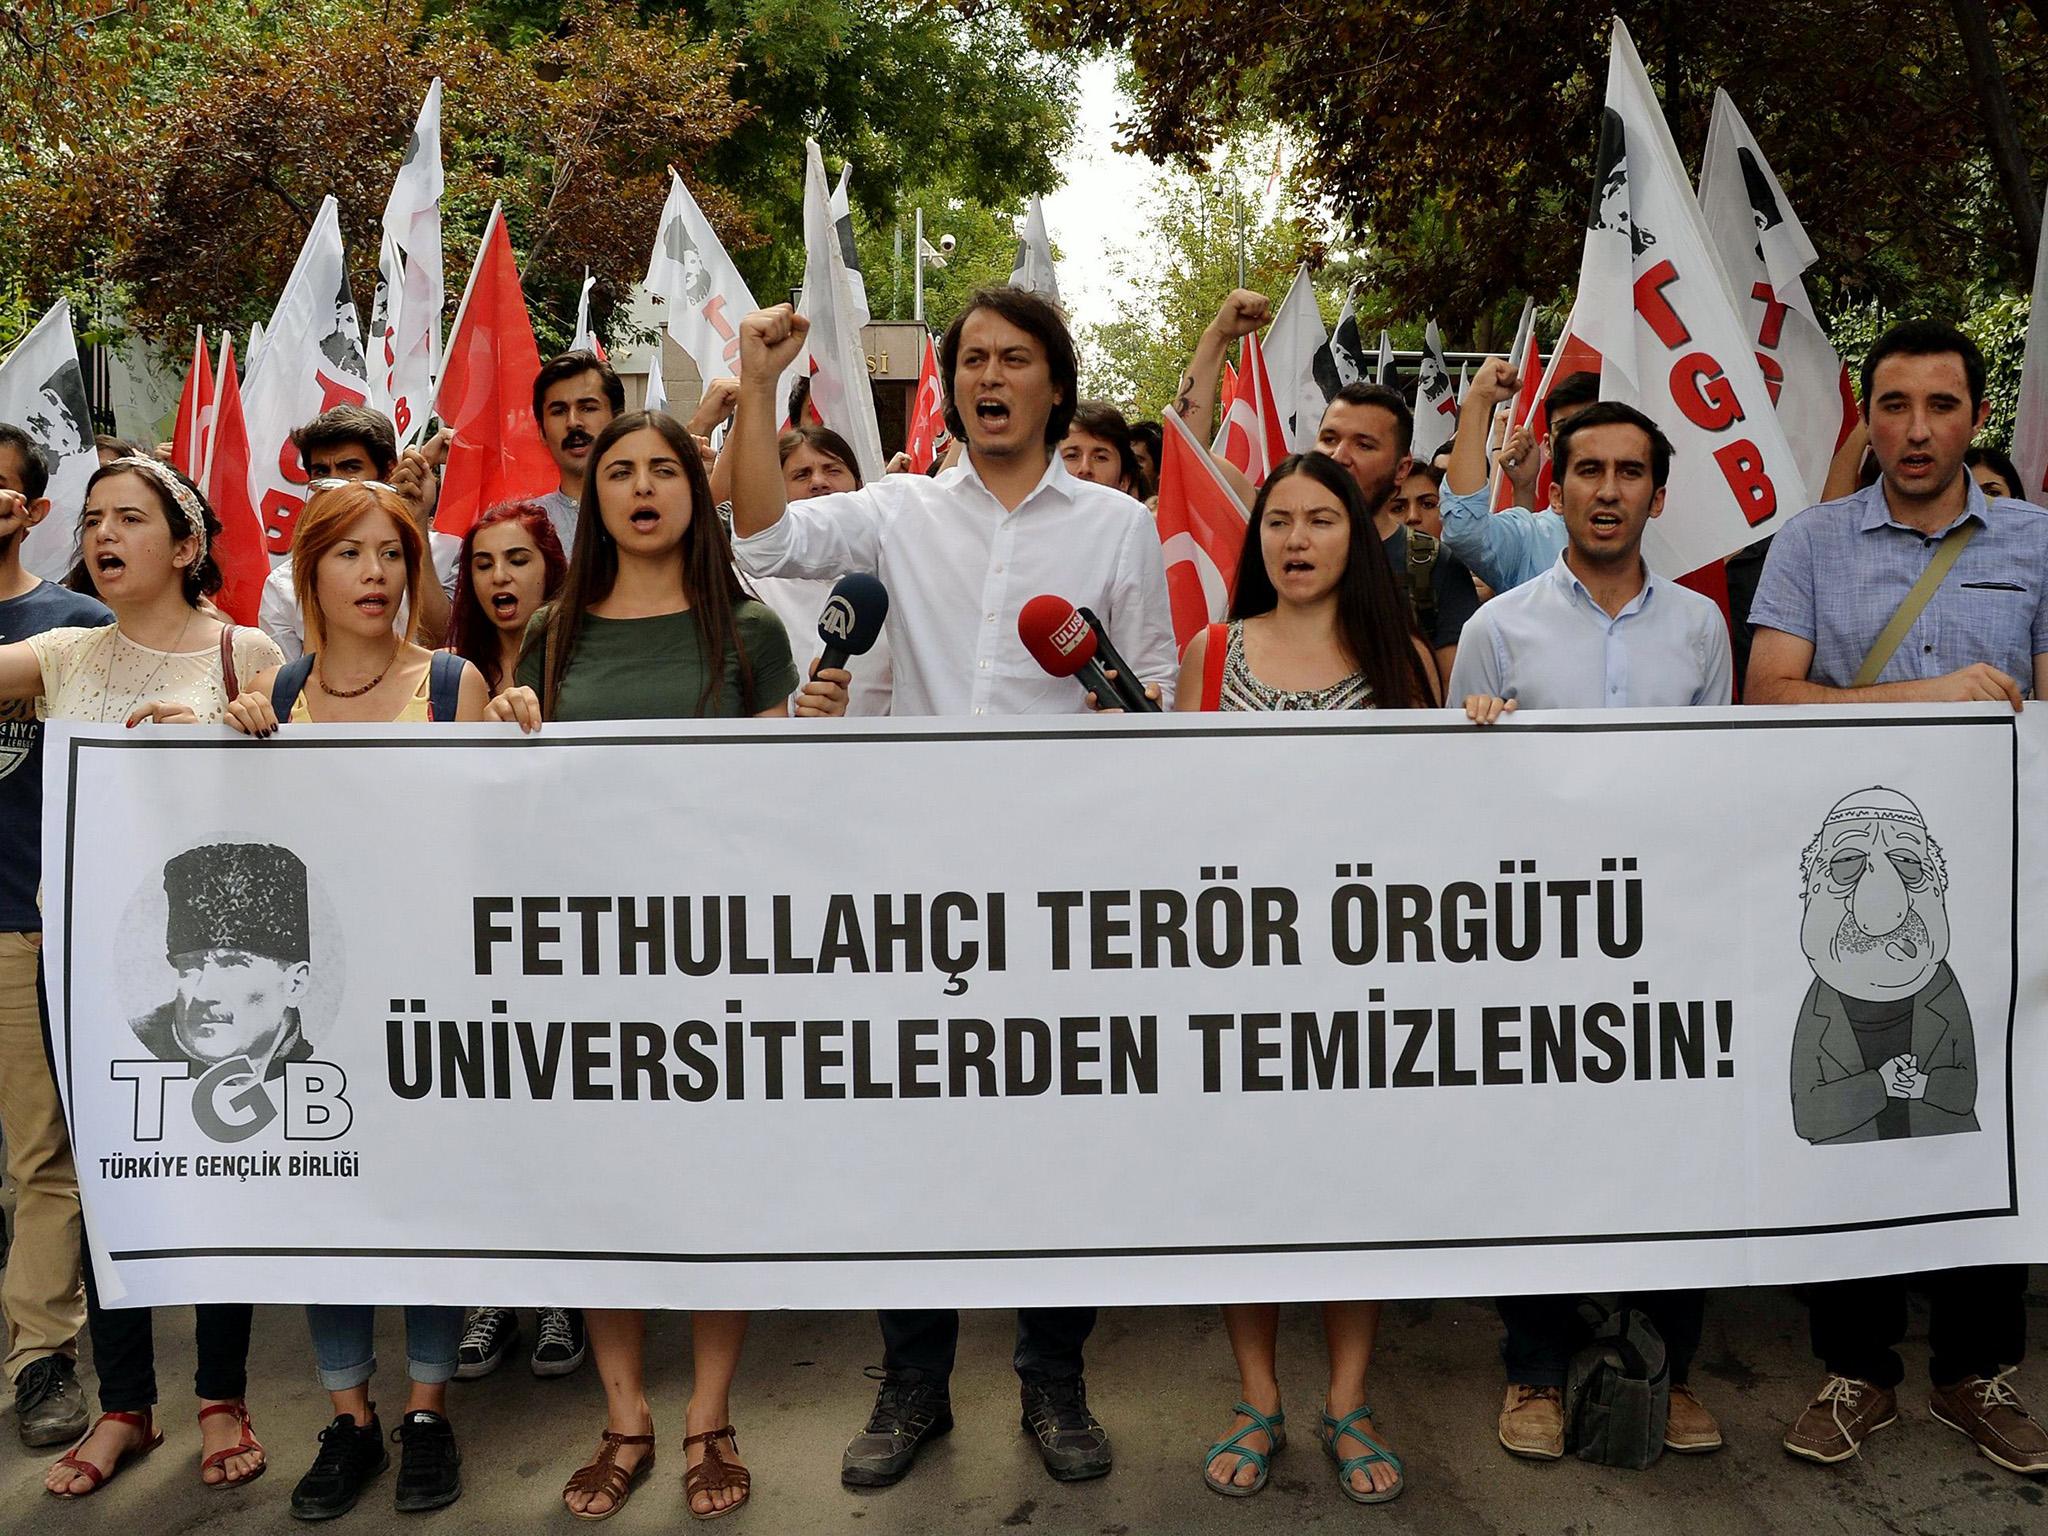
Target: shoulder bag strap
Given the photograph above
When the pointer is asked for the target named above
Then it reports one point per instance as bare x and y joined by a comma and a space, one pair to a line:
289, 683
444, 686
1908, 612
1212, 666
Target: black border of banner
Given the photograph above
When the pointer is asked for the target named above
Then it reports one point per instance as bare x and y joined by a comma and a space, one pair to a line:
1095, 730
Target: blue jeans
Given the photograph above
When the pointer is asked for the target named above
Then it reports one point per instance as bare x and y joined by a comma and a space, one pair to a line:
344, 1344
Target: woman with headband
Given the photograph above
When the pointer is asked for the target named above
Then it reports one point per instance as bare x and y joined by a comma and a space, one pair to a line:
145, 542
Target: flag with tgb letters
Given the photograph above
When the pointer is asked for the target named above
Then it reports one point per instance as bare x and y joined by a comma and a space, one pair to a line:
1201, 532
1764, 252
312, 361
405, 316
1294, 341
1654, 304
42, 391
702, 291
1436, 399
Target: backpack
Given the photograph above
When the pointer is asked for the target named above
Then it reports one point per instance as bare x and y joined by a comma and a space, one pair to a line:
1618, 1392
444, 685
1419, 572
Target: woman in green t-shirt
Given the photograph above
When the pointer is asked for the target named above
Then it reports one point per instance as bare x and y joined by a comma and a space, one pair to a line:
653, 624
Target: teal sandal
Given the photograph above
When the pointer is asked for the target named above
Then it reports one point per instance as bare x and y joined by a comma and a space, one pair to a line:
1273, 1425
1335, 1430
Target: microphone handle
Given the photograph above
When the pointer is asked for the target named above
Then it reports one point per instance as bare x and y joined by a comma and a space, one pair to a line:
1130, 688
834, 655
1092, 678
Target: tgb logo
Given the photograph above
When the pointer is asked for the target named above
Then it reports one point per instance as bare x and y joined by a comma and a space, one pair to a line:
230, 1103
238, 939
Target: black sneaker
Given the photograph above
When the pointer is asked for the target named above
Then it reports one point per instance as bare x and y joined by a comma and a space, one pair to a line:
559, 1343
1071, 1441
350, 1455
907, 1413
429, 1465
491, 1333
49, 1405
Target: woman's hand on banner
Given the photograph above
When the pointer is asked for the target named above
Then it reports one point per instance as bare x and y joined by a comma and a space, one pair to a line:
253, 715
516, 706
163, 712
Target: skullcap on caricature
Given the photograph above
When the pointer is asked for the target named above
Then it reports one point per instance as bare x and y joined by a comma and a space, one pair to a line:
1876, 804
246, 896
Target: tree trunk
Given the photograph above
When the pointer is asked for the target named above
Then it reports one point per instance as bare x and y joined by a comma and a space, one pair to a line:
2008, 155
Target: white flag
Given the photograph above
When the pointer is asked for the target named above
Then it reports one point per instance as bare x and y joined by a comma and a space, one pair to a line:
1763, 252
1436, 402
248, 364
312, 361
656, 398
1342, 359
840, 390
1033, 268
584, 340
1653, 302
703, 291
1292, 343
1386, 365
42, 391
842, 227
405, 319
2030, 429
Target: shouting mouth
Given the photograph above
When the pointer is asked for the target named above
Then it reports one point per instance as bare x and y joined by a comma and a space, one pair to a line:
575, 440
645, 519
993, 414
505, 605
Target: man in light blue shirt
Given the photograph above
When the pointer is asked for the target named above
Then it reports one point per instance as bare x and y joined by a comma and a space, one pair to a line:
1520, 543
1597, 630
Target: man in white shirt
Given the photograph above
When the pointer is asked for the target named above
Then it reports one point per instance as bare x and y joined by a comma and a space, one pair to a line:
960, 555
575, 397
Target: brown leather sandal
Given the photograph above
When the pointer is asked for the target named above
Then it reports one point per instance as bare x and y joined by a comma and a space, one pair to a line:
604, 1475
715, 1474
152, 1437
249, 1444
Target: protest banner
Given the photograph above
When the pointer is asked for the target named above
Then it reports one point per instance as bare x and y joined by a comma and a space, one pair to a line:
701, 1055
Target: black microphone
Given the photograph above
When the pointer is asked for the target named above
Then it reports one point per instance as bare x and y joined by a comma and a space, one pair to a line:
851, 621
1129, 687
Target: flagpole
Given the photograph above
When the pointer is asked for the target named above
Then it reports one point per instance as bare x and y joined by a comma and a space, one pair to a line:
917, 269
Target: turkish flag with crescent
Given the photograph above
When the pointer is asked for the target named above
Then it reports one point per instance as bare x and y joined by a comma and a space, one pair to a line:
195, 412
239, 550
927, 412
1201, 532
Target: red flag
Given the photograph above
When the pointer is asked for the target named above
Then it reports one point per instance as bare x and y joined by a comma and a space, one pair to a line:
1229, 388
927, 412
486, 392
239, 550
1573, 355
1201, 532
1253, 437
195, 411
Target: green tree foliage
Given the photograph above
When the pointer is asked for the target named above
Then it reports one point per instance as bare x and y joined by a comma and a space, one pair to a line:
1456, 142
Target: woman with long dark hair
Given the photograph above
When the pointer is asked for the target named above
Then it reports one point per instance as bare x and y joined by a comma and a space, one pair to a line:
511, 563
145, 547
1317, 622
653, 624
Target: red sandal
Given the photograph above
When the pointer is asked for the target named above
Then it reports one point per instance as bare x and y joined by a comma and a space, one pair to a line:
240, 1409
152, 1438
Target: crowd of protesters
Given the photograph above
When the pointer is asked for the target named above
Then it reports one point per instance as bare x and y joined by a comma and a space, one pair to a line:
661, 581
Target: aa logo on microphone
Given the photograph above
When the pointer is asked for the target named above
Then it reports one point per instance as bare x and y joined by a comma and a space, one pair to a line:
229, 1103
837, 620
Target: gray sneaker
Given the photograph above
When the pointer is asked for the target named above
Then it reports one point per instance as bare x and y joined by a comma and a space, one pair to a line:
49, 1405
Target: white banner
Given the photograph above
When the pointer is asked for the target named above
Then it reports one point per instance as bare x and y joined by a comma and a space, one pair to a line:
42, 391
979, 1029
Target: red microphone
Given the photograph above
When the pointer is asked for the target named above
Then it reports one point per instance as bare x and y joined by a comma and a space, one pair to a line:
1062, 642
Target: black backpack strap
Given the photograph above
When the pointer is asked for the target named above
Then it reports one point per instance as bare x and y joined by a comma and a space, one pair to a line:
289, 683
444, 685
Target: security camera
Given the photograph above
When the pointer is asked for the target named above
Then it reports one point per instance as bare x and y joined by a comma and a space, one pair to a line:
946, 244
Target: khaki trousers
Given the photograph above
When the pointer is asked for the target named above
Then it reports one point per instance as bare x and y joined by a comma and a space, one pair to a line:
43, 1293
